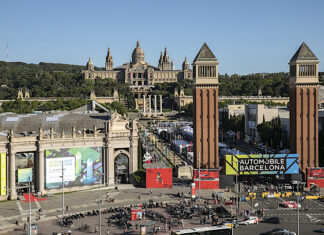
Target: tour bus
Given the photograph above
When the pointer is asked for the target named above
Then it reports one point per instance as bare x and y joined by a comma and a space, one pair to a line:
215, 230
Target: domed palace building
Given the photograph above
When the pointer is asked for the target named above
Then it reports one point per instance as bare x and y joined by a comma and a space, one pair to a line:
141, 75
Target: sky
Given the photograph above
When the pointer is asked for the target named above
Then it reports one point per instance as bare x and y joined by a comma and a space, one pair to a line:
245, 36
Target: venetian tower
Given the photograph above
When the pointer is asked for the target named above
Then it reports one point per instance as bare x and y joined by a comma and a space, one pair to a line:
303, 97
205, 97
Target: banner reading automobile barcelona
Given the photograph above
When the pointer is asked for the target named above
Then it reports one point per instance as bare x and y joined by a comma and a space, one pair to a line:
262, 164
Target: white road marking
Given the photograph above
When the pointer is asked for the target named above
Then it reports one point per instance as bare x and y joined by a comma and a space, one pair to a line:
19, 207
37, 204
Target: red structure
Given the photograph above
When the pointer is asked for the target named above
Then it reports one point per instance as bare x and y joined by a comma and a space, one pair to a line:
136, 213
159, 178
303, 95
209, 179
315, 176
205, 106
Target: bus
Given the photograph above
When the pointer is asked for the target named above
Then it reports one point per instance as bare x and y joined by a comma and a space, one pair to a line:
215, 230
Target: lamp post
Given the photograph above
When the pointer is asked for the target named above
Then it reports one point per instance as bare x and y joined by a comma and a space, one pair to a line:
237, 190
297, 199
29, 202
99, 202
199, 173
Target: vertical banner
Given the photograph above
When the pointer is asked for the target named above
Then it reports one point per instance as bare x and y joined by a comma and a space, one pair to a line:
193, 190
3, 174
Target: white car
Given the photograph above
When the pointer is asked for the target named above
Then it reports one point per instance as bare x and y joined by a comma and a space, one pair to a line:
250, 220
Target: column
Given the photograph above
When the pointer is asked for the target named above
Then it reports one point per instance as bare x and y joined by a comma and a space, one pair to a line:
155, 104
144, 104
111, 170
12, 174
160, 103
40, 173
150, 104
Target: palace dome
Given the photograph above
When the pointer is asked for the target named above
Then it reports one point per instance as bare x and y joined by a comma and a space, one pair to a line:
138, 55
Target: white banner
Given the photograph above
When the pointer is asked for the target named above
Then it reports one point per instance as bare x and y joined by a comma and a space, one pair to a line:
54, 169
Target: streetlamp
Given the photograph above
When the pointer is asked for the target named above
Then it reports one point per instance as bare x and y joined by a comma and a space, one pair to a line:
199, 173
99, 202
29, 202
237, 190
297, 201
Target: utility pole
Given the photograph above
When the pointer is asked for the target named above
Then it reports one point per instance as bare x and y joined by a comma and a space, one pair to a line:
237, 191
29, 202
297, 208
99, 202
62, 190
199, 173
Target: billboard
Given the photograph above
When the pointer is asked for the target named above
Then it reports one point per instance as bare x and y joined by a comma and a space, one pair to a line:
82, 166
25, 175
315, 175
159, 178
3, 174
262, 164
206, 178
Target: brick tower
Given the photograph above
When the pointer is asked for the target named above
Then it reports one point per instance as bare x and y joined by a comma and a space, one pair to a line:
205, 99
303, 96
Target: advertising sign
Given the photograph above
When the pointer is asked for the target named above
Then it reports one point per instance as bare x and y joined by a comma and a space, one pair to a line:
193, 190
82, 166
54, 169
25, 175
159, 178
206, 178
3, 174
315, 175
262, 164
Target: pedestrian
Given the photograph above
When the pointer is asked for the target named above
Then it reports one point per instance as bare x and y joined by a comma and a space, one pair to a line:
136, 226
151, 191
107, 232
160, 194
96, 229
306, 207
169, 227
25, 227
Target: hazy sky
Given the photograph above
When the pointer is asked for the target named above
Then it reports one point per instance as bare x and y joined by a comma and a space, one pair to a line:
246, 36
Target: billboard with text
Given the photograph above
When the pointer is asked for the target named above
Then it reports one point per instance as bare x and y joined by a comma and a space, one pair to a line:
262, 164
25, 175
82, 166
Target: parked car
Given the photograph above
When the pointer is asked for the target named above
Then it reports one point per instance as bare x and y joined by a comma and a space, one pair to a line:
287, 187
278, 231
290, 204
250, 220
272, 220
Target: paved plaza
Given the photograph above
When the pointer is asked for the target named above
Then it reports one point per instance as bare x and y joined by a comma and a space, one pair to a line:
126, 195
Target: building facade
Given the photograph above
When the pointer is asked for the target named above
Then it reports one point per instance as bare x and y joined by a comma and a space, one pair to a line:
303, 94
205, 91
103, 153
138, 73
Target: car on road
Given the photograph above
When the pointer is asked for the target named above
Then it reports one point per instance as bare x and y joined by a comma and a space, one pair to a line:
272, 220
278, 231
250, 220
230, 222
320, 230
287, 187
290, 204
